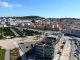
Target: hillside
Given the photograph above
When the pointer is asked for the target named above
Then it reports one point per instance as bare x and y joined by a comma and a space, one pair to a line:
26, 17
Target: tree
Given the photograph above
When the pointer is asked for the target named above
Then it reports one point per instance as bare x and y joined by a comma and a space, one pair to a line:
0, 47
46, 34
33, 21
38, 36
2, 34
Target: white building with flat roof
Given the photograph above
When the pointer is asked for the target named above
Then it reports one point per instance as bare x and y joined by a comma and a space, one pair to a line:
72, 31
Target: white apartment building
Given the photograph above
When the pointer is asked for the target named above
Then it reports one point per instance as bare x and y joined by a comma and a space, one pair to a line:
12, 23
74, 32
2, 22
4, 19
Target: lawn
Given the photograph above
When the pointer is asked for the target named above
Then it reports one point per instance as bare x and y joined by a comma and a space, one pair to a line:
2, 54
26, 32
6, 31
31, 33
18, 31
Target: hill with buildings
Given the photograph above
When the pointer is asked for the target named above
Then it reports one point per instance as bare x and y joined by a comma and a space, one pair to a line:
39, 18
25, 17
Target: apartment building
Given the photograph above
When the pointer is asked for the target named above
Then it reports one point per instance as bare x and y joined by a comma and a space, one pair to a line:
73, 32
46, 48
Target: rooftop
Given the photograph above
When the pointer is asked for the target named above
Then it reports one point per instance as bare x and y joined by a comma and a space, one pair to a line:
25, 47
53, 36
47, 41
50, 40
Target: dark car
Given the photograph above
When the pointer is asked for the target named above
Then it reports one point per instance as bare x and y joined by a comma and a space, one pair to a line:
77, 51
75, 55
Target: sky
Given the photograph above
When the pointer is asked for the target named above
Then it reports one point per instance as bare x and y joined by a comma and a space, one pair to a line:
43, 8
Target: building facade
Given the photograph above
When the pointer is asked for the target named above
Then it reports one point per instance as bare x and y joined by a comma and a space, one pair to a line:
72, 32
46, 48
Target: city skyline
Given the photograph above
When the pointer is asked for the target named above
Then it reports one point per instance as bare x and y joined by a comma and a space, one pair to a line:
43, 8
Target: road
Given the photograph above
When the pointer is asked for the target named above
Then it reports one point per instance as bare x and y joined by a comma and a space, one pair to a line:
73, 48
14, 32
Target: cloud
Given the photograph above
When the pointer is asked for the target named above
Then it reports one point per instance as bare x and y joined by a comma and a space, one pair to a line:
7, 5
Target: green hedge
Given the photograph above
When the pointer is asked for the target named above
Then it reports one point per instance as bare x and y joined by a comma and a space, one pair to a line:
7, 32
31, 33
18, 31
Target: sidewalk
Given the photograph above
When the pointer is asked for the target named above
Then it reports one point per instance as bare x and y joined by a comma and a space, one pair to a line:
14, 32
79, 56
7, 55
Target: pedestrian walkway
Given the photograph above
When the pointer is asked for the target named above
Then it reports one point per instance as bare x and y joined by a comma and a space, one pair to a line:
14, 32
23, 56
79, 56
7, 55
66, 52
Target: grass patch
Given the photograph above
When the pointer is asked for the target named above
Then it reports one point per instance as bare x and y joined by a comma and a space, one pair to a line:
2, 54
18, 31
31, 33
5, 31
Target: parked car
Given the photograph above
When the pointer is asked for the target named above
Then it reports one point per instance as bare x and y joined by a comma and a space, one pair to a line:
70, 39
75, 55
77, 51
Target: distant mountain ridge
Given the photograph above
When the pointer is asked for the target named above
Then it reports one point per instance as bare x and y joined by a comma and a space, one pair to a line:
25, 17
38, 17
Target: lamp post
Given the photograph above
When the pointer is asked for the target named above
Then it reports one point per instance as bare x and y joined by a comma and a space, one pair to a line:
43, 50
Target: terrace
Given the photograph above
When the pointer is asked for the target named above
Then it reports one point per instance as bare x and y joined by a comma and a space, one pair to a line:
49, 40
